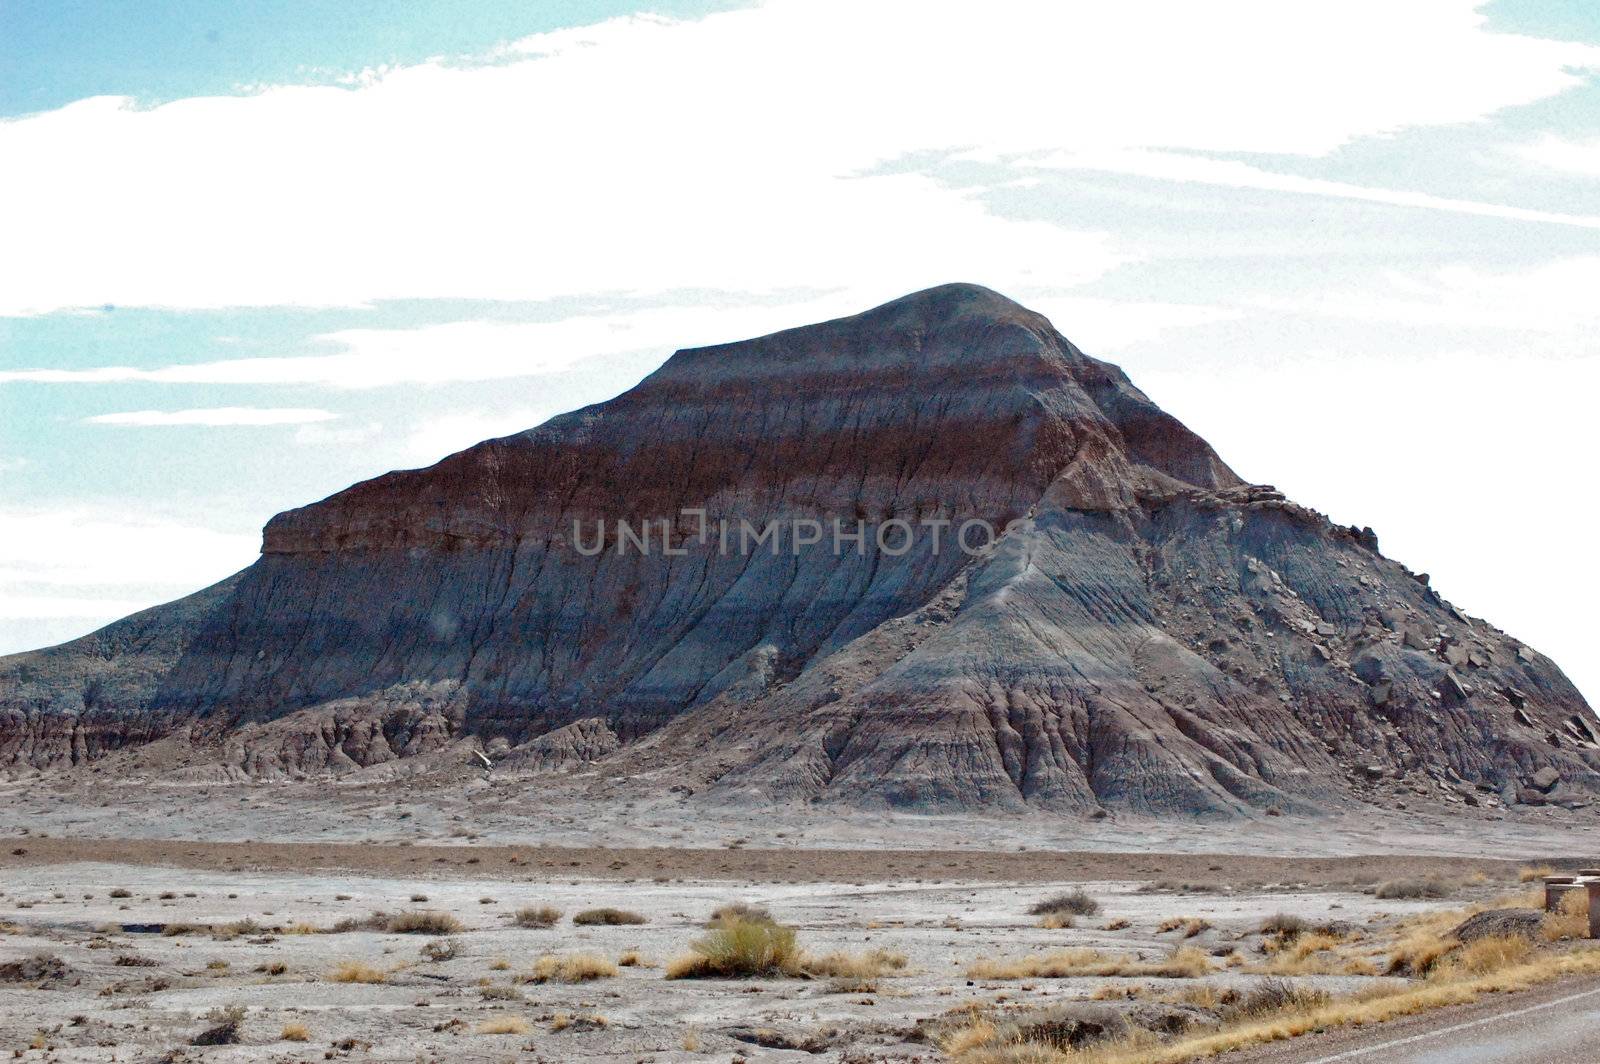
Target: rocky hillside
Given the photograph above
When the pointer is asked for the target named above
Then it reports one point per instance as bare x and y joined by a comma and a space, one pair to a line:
1144, 632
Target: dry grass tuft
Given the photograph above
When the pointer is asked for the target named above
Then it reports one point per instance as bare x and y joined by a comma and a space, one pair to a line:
356, 972
1189, 925
870, 965
1419, 953
1534, 872
1411, 889
295, 1032
572, 968
1569, 920
1055, 921
608, 917
422, 922
634, 959
503, 1025
1076, 902
742, 949
736, 911
1486, 955
1185, 962
536, 916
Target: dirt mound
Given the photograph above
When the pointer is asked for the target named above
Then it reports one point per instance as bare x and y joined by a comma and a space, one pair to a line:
1501, 923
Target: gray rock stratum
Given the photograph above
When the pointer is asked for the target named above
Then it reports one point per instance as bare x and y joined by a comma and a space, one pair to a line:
1146, 633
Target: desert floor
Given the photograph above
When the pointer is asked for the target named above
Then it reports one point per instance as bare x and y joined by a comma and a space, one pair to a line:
122, 938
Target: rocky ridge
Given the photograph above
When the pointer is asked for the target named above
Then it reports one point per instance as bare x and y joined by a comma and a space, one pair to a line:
1147, 633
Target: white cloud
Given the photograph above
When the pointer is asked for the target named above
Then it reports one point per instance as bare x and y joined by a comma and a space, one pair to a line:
1171, 166
728, 153
11, 465
214, 416
1556, 297
1559, 153
68, 570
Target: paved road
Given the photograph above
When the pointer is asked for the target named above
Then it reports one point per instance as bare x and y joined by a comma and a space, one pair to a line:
1554, 1024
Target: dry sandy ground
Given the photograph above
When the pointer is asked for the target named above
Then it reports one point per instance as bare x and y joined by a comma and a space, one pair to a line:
560, 810
127, 992
943, 892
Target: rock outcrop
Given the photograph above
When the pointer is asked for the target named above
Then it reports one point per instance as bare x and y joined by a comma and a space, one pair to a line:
1145, 631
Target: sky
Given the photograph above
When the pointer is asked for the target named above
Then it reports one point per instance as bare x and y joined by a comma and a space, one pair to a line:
250, 254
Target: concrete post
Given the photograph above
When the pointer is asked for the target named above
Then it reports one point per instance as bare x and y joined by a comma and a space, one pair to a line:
1551, 894
1594, 907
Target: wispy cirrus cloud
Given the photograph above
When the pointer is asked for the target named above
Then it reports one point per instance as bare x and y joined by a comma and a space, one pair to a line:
215, 416
1177, 167
1571, 155
754, 150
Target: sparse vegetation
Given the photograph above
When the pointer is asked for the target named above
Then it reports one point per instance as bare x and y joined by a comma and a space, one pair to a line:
503, 1025
1535, 872
1056, 921
608, 917
734, 911
869, 965
422, 922
740, 949
572, 968
225, 1021
1189, 925
1411, 889
438, 950
1183, 963
295, 1032
536, 916
1074, 902
357, 972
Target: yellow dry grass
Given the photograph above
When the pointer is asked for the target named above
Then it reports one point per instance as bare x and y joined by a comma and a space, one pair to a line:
572, 968
869, 965
295, 1032
502, 1025
357, 972
975, 1043
1528, 875
1183, 963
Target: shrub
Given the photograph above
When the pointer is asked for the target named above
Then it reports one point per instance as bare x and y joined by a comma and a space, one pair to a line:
608, 917
1407, 889
572, 968
740, 949
356, 972
734, 911
1419, 953
1491, 953
1055, 921
177, 928
1075, 902
133, 960
536, 916
422, 922
224, 1030
1189, 925
295, 1032
1285, 925
121, 892
1272, 996
634, 959
439, 950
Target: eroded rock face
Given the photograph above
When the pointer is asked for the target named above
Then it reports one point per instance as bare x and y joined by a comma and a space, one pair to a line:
1148, 633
